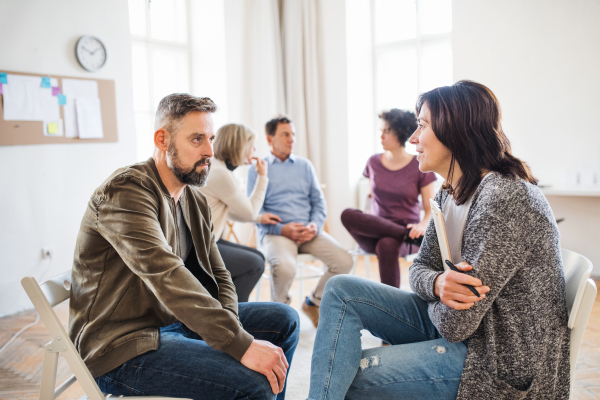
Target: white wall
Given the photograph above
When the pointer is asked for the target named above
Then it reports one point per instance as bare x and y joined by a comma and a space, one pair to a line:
541, 58
45, 188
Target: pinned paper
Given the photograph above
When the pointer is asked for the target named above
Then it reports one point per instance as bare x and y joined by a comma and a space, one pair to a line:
89, 117
46, 82
55, 90
25, 100
62, 99
74, 88
53, 127
3, 78
1, 90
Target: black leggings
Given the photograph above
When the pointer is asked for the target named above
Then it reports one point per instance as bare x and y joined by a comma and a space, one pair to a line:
245, 265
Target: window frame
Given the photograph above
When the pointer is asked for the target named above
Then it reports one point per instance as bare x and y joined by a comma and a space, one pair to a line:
418, 43
150, 44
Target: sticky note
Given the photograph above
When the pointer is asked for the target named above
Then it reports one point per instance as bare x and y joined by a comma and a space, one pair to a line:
55, 90
3, 78
52, 127
62, 99
46, 82
1, 90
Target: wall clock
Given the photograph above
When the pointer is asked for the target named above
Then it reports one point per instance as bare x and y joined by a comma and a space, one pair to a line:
90, 52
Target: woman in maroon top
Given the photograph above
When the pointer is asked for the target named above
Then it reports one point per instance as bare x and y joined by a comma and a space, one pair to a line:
393, 227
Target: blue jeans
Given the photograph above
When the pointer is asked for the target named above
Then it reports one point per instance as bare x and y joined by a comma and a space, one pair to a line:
185, 366
420, 364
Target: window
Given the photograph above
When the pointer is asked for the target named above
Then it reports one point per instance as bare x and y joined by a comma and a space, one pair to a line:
412, 52
160, 53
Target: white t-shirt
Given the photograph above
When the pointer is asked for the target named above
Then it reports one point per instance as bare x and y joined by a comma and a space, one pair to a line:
455, 218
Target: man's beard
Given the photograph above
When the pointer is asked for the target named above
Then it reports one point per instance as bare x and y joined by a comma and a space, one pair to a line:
188, 177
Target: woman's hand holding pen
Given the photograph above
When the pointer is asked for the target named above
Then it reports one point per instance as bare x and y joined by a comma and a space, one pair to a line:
451, 288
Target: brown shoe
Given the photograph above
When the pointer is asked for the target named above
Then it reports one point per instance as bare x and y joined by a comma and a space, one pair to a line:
312, 312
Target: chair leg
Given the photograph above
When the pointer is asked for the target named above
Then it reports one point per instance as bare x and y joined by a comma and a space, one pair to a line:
300, 284
49, 366
354, 262
257, 287
367, 266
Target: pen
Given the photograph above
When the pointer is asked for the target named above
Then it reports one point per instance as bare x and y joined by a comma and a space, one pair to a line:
453, 268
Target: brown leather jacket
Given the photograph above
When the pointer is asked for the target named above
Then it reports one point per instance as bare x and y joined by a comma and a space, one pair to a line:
128, 281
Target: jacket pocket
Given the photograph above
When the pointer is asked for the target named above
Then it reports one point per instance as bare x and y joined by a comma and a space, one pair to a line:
126, 308
503, 390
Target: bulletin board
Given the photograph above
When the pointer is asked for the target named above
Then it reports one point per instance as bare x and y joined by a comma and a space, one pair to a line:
32, 132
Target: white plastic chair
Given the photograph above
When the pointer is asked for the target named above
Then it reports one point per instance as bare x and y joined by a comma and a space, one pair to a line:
44, 296
581, 293
303, 266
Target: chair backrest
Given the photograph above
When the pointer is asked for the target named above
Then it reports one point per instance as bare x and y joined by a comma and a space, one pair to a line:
44, 296
581, 320
57, 289
581, 293
577, 270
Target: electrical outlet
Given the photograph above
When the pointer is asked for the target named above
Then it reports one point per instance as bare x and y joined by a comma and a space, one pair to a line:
47, 252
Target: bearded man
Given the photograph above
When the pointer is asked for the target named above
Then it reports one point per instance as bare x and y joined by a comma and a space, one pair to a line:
153, 310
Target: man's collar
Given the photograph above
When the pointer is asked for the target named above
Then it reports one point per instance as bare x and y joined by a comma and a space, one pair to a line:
271, 158
152, 164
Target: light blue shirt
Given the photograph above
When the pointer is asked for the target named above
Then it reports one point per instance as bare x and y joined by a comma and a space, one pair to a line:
293, 193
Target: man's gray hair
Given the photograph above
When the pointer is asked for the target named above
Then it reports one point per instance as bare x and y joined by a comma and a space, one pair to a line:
174, 107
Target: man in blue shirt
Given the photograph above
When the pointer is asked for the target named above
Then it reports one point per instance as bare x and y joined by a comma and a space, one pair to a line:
294, 194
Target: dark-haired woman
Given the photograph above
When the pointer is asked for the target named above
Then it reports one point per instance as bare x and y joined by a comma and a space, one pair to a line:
512, 342
393, 227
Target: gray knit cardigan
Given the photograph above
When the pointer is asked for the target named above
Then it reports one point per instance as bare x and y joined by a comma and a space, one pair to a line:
518, 335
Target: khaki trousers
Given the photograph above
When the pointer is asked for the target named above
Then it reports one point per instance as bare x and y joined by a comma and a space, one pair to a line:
281, 253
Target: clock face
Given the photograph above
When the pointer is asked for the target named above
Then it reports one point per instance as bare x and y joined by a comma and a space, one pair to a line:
90, 52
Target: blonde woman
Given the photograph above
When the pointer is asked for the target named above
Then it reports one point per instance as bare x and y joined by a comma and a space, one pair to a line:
234, 146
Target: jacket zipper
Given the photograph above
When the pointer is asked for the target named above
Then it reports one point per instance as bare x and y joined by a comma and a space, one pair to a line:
177, 242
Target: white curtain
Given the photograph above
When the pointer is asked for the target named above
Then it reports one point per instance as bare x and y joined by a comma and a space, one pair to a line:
272, 57
300, 63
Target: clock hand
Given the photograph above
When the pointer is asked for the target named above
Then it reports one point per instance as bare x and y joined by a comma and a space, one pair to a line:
85, 48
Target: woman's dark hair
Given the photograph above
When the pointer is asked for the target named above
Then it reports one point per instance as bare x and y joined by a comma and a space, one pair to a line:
465, 118
402, 123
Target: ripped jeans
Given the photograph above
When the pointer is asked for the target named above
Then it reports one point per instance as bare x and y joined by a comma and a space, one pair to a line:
420, 364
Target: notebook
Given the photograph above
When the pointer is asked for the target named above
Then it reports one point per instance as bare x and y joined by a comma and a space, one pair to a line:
440, 229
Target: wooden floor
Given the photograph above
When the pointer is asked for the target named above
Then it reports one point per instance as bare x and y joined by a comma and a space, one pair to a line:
21, 362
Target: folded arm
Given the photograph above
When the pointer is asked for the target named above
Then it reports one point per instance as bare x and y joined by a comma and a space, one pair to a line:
241, 207
494, 243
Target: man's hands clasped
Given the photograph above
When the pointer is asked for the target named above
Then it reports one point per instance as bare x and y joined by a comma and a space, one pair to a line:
269, 360
300, 233
451, 288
